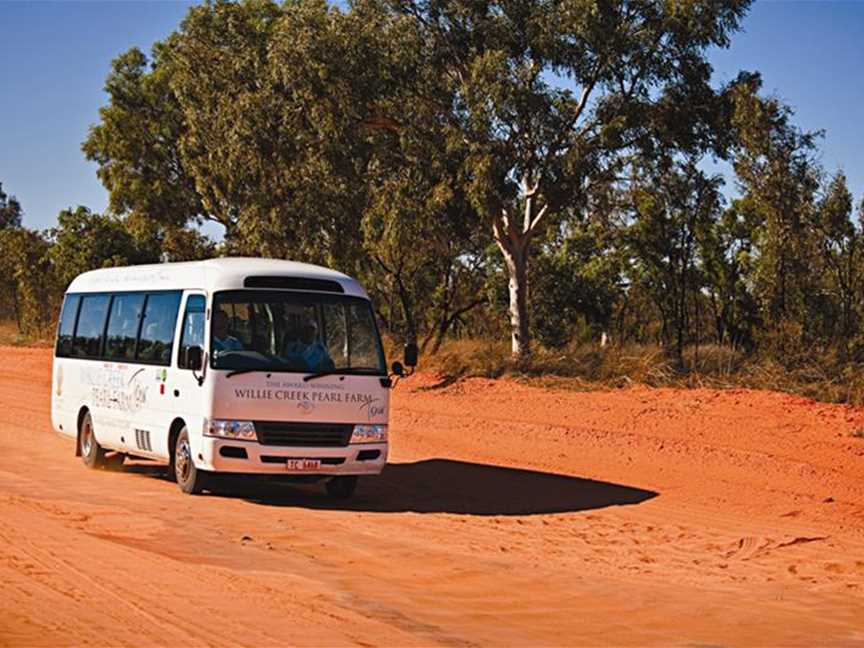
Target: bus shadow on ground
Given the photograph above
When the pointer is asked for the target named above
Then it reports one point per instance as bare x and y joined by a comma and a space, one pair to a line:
446, 486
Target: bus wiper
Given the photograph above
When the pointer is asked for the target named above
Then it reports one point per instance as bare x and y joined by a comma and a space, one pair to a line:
236, 372
344, 370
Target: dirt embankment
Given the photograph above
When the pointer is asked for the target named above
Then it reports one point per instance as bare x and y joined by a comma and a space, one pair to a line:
509, 515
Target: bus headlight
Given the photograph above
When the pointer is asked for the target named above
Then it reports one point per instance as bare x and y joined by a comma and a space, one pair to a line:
230, 429
369, 434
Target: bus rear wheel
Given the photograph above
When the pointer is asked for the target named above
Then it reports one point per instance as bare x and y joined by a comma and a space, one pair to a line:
190, 480
342, 487
92, 453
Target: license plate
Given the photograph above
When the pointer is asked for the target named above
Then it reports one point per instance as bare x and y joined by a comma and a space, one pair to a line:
303, 464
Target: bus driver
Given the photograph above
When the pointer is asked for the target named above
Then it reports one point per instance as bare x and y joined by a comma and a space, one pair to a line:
222, 339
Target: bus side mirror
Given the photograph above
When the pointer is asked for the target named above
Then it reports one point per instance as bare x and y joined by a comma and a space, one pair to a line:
397, 369
194, 359
411, 354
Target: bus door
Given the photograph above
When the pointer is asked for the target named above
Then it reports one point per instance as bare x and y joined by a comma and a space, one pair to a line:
187, 393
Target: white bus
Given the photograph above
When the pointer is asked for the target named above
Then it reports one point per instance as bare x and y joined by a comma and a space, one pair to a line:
235, 365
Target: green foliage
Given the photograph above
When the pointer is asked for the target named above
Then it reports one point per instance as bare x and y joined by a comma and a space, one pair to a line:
10, 219
84, 240
136, 143
639, 80
775, 166
36, 267
532, 169
26, 271
675, 207
167, 243
575, 290
841, 246
292, 125
726, 250
278, 117
10, 211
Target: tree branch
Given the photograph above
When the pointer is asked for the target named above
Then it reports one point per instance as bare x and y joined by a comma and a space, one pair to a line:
539, 217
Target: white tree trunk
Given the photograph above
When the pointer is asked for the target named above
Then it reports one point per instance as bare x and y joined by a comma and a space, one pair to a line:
516, 259
514, 241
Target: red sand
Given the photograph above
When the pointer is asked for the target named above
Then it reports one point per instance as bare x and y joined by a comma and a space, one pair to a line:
509, 515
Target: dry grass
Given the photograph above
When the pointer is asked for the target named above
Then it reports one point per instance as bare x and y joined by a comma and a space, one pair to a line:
587, 366
10, 336
591, 367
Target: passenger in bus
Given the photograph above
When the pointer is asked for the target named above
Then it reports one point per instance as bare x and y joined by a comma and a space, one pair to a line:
222, 339
309, 350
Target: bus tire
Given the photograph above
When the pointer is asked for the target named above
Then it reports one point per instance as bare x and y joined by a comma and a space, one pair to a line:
190, 479
92, 453
342, 487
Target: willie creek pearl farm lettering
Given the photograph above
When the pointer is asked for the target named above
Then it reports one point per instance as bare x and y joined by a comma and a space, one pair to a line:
296, 395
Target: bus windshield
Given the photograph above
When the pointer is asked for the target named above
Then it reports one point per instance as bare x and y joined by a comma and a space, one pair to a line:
272, 330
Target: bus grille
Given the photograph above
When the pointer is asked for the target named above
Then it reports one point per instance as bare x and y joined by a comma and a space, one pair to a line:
319, 435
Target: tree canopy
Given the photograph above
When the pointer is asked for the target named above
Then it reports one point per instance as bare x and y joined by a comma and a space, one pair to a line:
514, 169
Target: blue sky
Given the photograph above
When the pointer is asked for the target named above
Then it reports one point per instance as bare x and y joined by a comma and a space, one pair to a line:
54, 57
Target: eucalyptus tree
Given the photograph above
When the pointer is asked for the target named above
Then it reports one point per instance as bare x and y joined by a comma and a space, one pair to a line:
423, 254
778, 176
727, 254
290, 136
675, 207
10, 210
275, 121
24, 272
27, 274
136, 144
289, 123
10, 219
576, 280
427, 260
244, 138
546, 95
841, 242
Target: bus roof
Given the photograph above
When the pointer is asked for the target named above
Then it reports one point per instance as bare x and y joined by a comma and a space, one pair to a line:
229, 273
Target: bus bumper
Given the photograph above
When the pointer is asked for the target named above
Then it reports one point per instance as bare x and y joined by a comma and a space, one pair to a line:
230, 456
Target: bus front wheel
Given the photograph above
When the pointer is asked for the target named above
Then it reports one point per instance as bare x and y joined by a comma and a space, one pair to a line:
91, 452
190, 480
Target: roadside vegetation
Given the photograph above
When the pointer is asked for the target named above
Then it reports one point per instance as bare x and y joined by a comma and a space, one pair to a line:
524, 188
10, 335
589, 367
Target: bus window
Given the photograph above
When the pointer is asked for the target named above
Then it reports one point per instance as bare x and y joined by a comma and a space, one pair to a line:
157, 329
123, 326
193, 327
351, 335
87, 342
239, 325
67, 325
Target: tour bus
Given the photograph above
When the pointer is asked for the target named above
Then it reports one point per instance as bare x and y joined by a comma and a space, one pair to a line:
233, 365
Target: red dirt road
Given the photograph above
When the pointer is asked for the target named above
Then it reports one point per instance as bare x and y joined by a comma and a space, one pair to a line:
510, 515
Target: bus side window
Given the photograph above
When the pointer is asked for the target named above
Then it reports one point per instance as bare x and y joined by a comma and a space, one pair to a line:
123, 323
87, 342
66, 329
157, 329
193, 327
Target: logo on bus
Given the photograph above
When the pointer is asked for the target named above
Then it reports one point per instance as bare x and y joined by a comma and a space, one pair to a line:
305, 407
373, 408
